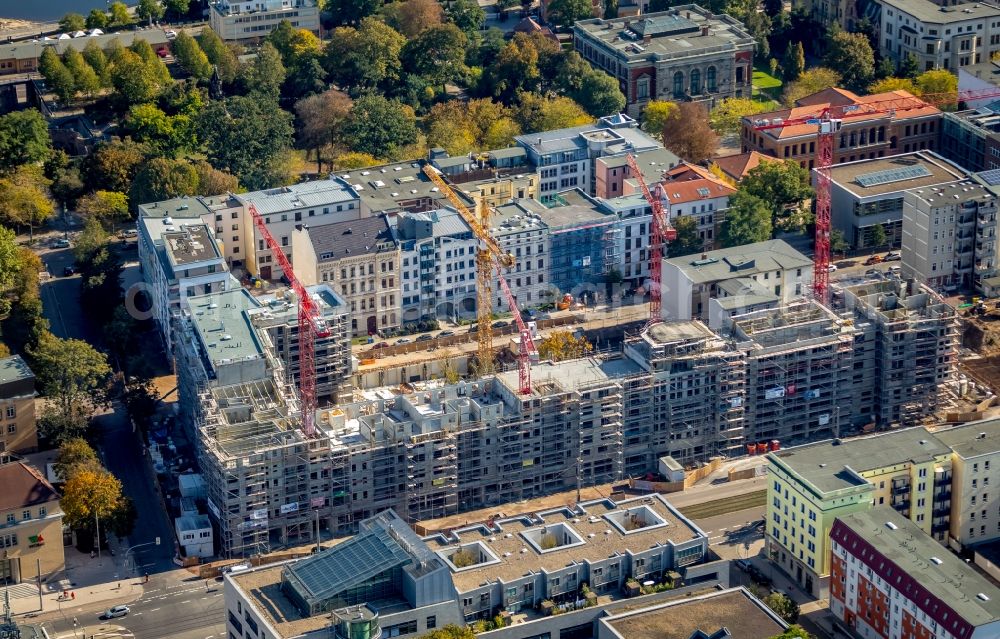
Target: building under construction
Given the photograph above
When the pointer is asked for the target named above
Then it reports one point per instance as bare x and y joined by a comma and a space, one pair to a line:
800, 371
915, 336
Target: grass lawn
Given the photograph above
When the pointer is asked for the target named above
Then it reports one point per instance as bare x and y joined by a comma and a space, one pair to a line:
767, 88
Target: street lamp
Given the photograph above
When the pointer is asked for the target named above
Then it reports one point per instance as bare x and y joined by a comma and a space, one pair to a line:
131, 548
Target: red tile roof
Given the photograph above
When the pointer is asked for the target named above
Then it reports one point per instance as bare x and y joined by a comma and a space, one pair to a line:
23, 486
737, 166
685, 191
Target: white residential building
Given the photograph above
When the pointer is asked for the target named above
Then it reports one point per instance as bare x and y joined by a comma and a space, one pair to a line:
438, 262
519, 229
179, 259
940, 35
635, 217
975, 468
194, 532
247, 20
949, 234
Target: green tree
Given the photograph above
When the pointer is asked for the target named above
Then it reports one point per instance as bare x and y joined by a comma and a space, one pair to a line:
24, 139
909, 67
566, 12
97, 19
688, 241
190, 57
154, 63
884, 68
941, 84
411, 17
748, 220
72, 22
467, 15
838, 243
560, 345
759, 25
212, 181
265, 74
811, 81
106, 206
113, 165
162, 179
94, 55
850, 55
134, 81
56, 75
149, 10
74, 455
220, 55
364, 58
876, 237
783, 606
794, 632
598, 93
687, 133
120, 16
379, 127
460, 127
91, 240
306, 78
350, 161
320, 119
178, 8
539, 113
437, 54
71, 374
783, 185
451, 631
23, 199
91, 493
794, 62
725, 119
351, 12
514, 71
894, 84
11, 263
655, 116
85, 79
25, 325
773, 7
248, 138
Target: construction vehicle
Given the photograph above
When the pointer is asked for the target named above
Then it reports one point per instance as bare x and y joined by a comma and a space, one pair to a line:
311, 326
828, 121
661, 233
490, 259
565, 303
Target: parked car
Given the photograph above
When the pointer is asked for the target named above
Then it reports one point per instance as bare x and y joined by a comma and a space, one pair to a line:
895, 270
115, 612
830, 268
892, 256
474, 328
68, 271
501, 324
425, 337
873, 272
404, 340
130, 233
874, 259
381, 345
446, 333
61, 243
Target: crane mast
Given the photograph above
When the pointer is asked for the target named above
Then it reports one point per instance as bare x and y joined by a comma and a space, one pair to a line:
661, 233
311, 326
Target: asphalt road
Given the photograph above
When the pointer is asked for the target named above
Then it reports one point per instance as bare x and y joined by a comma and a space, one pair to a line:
61, 295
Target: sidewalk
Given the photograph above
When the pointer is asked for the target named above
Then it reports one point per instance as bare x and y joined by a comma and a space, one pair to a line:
91, 580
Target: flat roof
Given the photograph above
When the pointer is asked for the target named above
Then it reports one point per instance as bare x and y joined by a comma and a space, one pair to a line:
316, 193
823, 464
927, 11
740, 261
574, 373
940, 170
34, 48
574, 208
972, 439
652, 162
735, 609
190, 245
931, 567
179, 207
670, 332
674, 33
192, 522
14, 369
601, 539
382, 188
221, 321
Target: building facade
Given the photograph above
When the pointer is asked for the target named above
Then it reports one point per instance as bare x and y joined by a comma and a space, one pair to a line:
18, 432
686, 53
971, 138
520, 230
250, 20
31, 535
888, 579
975, 456
940, 36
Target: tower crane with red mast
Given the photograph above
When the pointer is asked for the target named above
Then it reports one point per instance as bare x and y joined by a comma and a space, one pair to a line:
311, 326
828, 121
661, 233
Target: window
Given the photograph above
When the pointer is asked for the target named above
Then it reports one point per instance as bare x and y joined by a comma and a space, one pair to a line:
11, 412
641, 89
432, 622
26, 514
42, 512
678, 84
695, 82
710, 79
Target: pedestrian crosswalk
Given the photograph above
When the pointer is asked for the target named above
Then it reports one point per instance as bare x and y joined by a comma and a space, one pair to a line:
21, 591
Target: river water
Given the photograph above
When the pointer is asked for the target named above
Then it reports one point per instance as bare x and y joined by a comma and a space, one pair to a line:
49, 10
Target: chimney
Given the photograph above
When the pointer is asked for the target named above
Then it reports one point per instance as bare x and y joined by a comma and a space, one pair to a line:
704, 30
704, 256
687, 14
628, 23
646, 39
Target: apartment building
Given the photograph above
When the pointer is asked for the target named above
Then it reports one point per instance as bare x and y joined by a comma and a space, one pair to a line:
800, 372
859, 137
519, 228
31, 532
915, 336
950, 235
398, 188
438, 265
690, 404
565, 158
611, 172
687, 53
252, 20
971, 138
941, 36
975, 455
743, 278
358, 259
810, 486
584, 243
634, 219
179, 259
317, 203
693, 191
18, 432
865, 193
889, 579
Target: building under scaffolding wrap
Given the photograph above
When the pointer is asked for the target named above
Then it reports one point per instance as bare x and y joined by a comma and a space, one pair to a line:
916, 336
